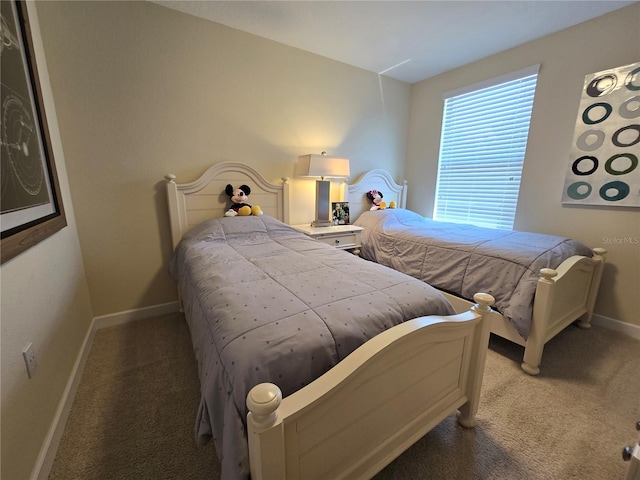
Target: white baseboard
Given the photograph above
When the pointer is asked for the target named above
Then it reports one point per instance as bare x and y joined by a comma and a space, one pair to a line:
127, 316
628, 329
50, 445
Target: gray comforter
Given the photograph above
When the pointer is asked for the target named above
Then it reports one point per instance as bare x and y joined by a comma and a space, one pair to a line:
265, 303
465, 259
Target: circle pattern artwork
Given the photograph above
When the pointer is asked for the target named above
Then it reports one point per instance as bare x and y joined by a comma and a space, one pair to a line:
579, 190
604, 163
608, 166
588, 147
621, 188
576, 164
615, 139
586, 117
625, 112
602, 85
631, 82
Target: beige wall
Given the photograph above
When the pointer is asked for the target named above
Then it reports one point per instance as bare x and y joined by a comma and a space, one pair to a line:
143, 91
565, 58
44, 301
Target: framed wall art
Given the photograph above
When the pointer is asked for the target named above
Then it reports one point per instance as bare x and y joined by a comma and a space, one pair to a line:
30, 201
603, 165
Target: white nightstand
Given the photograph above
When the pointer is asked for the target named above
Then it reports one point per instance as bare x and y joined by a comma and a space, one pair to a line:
344, 237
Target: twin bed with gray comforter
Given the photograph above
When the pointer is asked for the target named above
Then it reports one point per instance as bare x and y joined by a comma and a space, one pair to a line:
265, 303
542, 283
465, 259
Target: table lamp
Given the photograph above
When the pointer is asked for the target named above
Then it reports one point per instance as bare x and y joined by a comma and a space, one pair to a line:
324, 167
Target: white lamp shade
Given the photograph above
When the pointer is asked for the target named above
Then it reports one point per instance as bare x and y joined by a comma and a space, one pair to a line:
322, 166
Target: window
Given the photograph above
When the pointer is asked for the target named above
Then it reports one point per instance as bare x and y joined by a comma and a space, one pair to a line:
484, 139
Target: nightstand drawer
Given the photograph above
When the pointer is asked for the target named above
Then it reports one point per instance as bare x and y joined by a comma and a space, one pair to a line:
342, 240
343, 237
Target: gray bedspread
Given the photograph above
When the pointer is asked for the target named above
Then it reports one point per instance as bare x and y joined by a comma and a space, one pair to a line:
465, 259
266, 303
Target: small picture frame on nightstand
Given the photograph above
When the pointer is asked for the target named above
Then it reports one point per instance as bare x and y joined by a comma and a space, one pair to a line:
340, 213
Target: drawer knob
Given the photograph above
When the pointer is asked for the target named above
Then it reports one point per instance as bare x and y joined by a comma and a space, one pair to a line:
627, 453
337, 241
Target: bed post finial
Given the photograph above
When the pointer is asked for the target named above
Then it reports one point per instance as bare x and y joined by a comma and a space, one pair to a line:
599, 253
484, 301
170, 178
547, 274
266, 447
263, 401
467, 412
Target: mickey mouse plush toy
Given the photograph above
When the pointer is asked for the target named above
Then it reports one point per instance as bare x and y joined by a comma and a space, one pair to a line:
239, 197
376, 198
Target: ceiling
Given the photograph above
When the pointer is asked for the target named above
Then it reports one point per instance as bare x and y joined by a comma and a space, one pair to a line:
405, 40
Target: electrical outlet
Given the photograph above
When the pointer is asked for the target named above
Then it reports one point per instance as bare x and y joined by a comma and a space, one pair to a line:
30, 359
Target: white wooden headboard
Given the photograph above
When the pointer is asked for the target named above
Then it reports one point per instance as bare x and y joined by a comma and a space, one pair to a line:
192, 203
376, 179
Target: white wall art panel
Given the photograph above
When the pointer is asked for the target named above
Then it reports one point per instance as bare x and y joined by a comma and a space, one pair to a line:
603, 167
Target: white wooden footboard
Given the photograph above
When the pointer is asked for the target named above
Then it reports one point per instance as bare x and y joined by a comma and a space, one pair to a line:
562, 296
368, 409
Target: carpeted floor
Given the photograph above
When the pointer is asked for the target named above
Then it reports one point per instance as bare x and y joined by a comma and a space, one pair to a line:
134, 413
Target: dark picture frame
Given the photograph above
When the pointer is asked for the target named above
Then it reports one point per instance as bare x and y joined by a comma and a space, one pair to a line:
340, 213
30, 198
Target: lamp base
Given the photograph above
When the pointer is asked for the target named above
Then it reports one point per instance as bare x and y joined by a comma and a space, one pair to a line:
323, 203
319, 223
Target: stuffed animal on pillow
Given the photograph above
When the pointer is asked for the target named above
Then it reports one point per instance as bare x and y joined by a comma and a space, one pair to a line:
376, 199
239, 206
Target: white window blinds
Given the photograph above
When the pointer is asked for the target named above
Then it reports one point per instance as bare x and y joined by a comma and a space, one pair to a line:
484, 138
